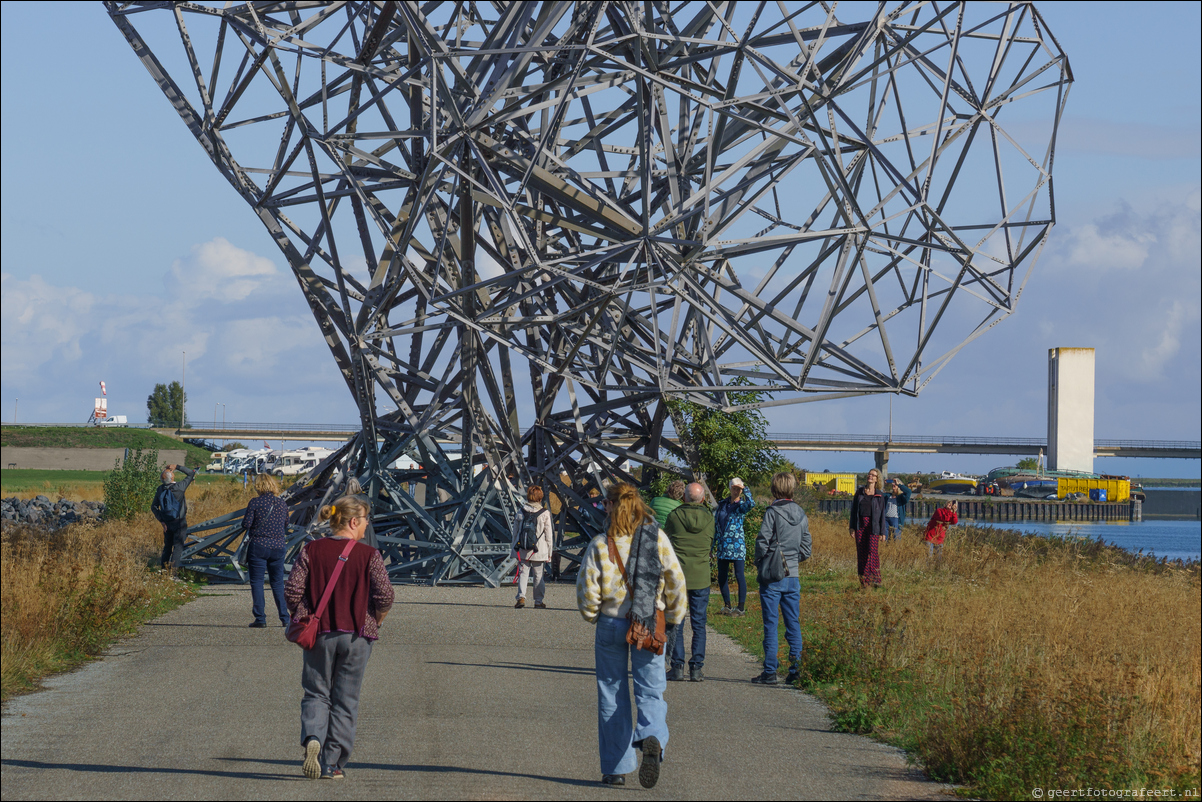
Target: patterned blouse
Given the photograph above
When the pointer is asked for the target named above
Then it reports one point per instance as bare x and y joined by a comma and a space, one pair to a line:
729, 543
266, 521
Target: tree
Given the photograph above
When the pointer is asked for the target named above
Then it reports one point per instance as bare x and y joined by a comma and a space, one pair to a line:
165, 406
1028, 464
723, 445
129, 487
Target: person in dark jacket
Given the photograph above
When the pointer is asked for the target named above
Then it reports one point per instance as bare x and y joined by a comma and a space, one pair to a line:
663, 505
868, 526
175, 528
690, 528
266, 525
787, 529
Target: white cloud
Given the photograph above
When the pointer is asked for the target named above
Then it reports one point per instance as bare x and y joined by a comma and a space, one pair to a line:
247, 333
1109, 251
218, 269
1156, 357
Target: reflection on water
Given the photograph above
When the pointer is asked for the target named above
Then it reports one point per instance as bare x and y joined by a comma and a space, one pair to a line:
1172, 539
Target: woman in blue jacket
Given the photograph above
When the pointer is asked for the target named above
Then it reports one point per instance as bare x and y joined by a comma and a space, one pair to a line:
730, 545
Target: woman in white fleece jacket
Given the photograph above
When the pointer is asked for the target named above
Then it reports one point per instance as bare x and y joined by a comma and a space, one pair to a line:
533, 561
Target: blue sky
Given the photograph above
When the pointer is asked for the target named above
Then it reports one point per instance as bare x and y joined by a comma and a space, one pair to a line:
114, 229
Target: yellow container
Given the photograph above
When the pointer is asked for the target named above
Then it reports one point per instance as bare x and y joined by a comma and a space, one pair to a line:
1116, 489
839, 482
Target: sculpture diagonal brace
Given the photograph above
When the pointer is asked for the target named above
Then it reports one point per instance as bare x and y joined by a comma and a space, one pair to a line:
523, 226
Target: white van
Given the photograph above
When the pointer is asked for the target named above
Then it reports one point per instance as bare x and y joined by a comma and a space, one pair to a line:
113, 420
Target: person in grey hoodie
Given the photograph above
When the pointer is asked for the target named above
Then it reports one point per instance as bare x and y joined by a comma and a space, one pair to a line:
787, 529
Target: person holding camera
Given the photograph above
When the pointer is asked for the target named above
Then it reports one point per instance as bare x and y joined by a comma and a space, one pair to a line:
170, 508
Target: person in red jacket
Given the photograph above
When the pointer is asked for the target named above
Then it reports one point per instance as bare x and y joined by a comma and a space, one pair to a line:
937, 528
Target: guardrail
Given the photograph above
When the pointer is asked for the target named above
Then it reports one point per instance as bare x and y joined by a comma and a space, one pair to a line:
798, 437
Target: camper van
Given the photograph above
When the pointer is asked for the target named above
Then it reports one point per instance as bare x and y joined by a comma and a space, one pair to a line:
298, 461
216, 462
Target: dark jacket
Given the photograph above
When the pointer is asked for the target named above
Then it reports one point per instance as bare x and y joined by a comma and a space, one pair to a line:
785, 522
871, 506
690, 528
178, 489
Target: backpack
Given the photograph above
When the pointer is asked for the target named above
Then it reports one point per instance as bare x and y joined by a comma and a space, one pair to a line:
527, 539
166, 507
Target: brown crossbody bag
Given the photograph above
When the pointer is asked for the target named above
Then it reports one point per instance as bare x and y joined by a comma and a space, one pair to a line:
638, 635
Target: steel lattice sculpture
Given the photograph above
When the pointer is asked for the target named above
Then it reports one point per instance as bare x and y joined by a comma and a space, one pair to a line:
522, 226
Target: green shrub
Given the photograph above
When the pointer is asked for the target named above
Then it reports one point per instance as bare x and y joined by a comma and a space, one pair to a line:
129, 488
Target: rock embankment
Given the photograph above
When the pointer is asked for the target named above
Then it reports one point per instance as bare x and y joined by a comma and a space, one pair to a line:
41, 511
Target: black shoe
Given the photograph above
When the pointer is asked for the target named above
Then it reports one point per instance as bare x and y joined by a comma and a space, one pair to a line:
613, 779
793, 677
676, 674
257, 625
695, 674
652, 754
766, 678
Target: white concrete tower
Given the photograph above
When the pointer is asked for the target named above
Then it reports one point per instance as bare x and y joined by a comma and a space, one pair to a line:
1070, 409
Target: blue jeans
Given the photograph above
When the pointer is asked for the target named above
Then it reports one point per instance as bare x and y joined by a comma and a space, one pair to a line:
263, 560
617, 735
783, 596
893, 528
724, 567
699, 602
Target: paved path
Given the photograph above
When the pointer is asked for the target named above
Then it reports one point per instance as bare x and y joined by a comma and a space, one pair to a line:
465, 698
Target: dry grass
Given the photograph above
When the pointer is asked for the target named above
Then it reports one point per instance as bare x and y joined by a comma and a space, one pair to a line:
1015, 662
65, 596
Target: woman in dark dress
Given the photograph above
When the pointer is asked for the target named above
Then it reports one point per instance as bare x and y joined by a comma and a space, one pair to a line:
868, 526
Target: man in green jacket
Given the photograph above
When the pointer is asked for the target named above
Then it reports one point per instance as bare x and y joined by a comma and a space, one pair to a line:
690, 527
662, 506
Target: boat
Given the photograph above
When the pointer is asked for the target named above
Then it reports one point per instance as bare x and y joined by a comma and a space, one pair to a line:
949, 482
1035, 488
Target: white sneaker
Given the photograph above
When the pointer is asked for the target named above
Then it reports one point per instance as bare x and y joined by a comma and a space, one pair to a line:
312, 765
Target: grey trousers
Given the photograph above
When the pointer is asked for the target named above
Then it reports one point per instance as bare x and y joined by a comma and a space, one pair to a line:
524, 572
331, 677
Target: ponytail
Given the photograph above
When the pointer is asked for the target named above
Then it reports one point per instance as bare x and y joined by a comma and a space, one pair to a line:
340, 513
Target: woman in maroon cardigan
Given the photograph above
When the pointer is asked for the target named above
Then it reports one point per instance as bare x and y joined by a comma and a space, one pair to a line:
334, 667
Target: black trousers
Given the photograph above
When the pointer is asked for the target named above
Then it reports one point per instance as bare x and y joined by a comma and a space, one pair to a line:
173, 544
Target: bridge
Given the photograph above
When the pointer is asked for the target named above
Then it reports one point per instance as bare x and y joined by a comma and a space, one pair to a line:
880, 444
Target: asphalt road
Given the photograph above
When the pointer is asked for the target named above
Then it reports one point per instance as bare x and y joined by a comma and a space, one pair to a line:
465, 698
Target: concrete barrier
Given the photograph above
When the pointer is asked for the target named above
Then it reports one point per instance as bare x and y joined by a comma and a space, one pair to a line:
1172, 503
75, 459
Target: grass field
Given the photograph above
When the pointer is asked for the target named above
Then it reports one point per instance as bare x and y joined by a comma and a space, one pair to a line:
66, 596
1017, 662
98, 437
73, 485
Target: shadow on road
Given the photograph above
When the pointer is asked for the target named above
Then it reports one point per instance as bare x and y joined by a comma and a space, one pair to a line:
519, 667
357, 766
100, 768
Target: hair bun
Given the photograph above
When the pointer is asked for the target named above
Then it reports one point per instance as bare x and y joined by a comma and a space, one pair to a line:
327, 512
